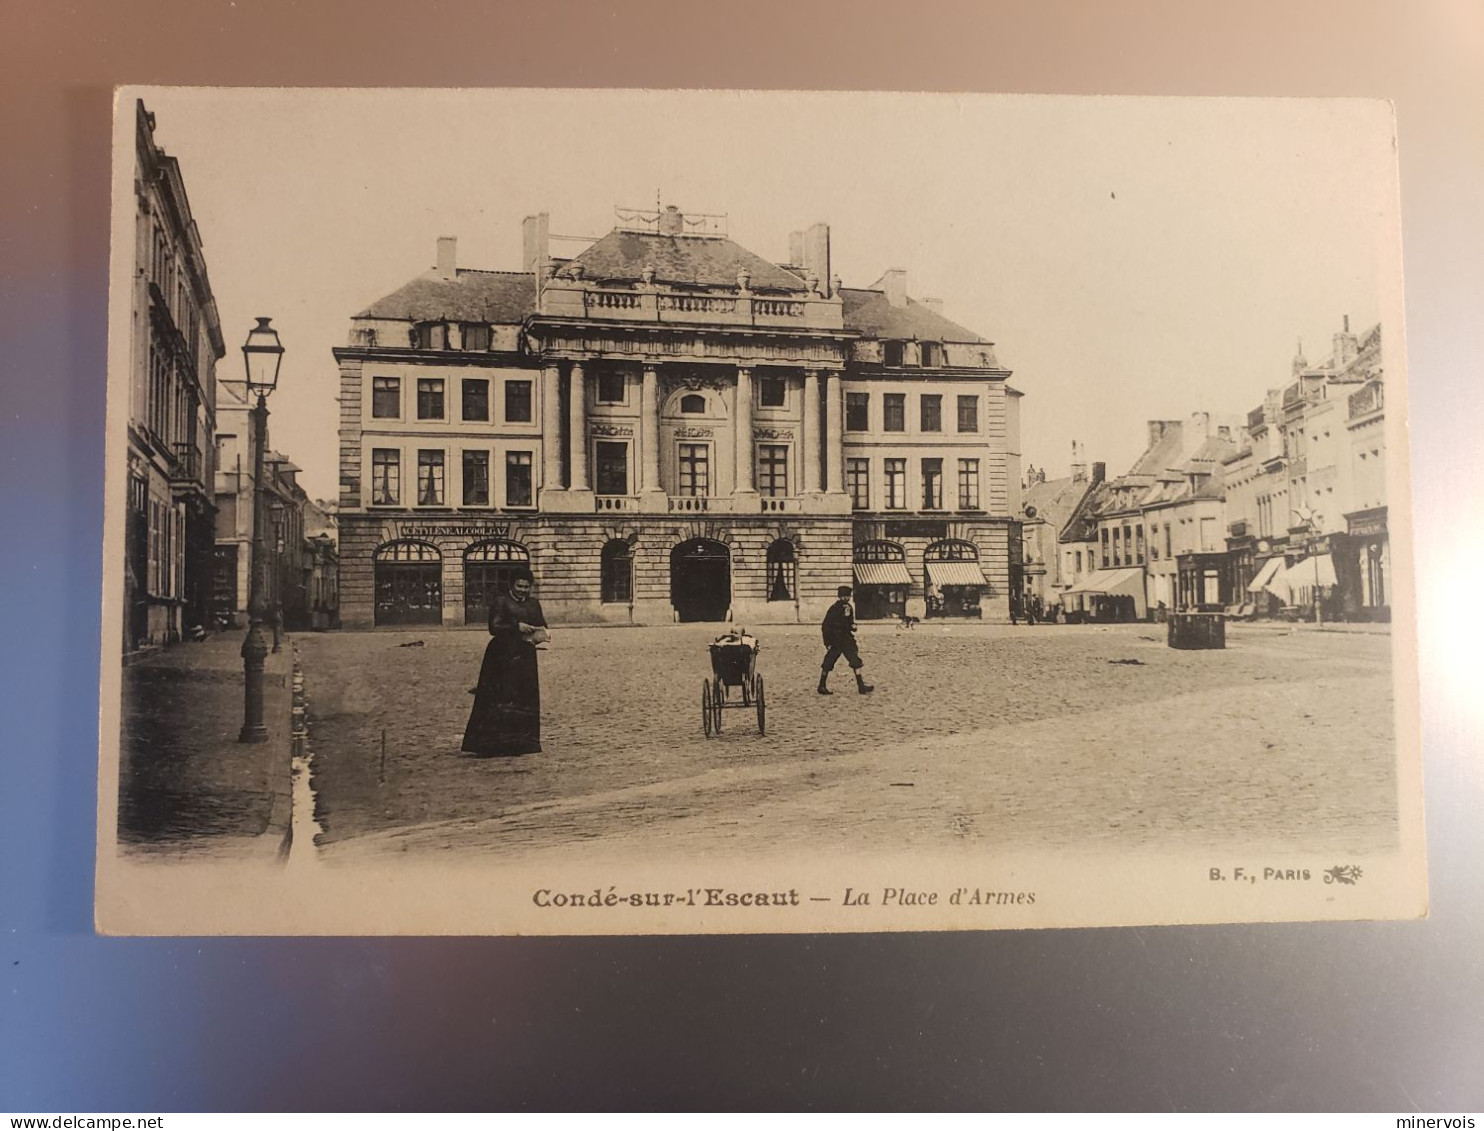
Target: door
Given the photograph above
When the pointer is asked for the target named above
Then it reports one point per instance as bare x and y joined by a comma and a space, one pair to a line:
701, 580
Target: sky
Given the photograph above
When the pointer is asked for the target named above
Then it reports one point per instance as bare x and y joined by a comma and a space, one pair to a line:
1131, 259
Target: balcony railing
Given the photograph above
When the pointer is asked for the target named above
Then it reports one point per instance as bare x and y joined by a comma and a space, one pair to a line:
690, 504
781, 504
578, 298
186, 463
617, 502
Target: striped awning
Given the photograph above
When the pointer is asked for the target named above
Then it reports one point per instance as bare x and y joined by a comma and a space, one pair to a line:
882, 573
955, 573
1265, 575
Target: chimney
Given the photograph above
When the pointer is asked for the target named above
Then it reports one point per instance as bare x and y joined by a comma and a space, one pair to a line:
672, 223
1079, 467
448, 257
1156, 431
817, 254
1224, 431
1099, 472
1346, 347
894, 283
536, 245
796, 249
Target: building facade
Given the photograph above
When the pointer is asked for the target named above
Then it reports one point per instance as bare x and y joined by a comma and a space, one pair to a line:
1047, 566
1306, 504
666, 426
175, 343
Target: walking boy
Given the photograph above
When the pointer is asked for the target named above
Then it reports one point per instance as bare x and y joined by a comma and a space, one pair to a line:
838, 630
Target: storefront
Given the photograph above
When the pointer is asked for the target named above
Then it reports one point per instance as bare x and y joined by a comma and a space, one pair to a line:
1368, 598
1107, 595
882, 581
955, 579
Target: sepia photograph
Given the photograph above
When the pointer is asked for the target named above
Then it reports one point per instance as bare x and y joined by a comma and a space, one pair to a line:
635, 512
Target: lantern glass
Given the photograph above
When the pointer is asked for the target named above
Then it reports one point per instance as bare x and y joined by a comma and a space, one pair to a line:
262, 353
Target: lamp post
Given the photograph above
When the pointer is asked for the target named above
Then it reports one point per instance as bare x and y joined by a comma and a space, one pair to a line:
262, 354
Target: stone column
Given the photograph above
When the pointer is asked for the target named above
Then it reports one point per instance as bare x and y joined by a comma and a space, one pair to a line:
834, 439
746, 481
551, 428
651, 492
577, 428
811, 432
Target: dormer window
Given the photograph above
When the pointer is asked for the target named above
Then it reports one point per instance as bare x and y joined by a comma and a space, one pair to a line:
891, 353
932, 354
693, 404
429, 336
476, 336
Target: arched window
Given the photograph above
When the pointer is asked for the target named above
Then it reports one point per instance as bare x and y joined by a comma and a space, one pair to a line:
618, 572
489, 568
693, 403
782, 571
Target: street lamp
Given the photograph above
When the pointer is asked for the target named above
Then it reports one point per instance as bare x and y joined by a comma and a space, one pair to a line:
262, 354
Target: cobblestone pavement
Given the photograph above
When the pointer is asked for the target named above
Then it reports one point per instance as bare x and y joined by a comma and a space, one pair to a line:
1040, 737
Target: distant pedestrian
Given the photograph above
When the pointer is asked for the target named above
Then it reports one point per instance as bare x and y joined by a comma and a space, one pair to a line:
506, 719
838, 630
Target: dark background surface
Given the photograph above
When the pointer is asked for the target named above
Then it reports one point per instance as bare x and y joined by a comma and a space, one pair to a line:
1350, 1016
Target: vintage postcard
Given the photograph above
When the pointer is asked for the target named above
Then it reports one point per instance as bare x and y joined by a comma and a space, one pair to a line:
622, 512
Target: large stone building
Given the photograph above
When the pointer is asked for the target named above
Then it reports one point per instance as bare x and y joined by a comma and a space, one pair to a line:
666, 426
175, 342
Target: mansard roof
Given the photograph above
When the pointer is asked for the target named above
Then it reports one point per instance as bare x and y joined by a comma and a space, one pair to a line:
697, 261
873, 315
472, 296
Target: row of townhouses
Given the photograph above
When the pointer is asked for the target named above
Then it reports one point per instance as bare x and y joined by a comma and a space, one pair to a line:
1282, 513
190, 490
664, 425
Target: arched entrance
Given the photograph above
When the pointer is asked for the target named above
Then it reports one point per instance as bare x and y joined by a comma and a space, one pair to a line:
882, 581
487, 570
954, 578
409, 584
700, 580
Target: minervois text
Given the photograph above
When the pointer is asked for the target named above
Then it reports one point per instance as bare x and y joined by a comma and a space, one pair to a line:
611, 897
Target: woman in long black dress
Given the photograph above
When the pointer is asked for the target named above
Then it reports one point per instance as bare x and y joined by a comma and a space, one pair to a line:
506, 719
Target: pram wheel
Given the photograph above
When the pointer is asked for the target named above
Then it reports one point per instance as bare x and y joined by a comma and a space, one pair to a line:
761, 706
706, 706
718, 701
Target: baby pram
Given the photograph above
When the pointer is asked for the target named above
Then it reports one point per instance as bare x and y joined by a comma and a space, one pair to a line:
733, 668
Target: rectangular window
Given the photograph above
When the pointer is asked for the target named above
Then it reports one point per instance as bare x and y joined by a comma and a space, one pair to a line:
1168, 554
1107, 558
430, 398
476, 399
932, 484
429, 478
386, 476
968, 414
1139, 544
857, 412
695, 469
430, 336
518, 402
1208, 533
968, 484
932, 354
858, 482
1117, 548
772, 393
610, 386
932, 412
1154, 543
518, 479
772, 470
1079, 561
612, 468
896, 483
476, 336
476, 479
1128, 546
894, 412
386, 398
891, 353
